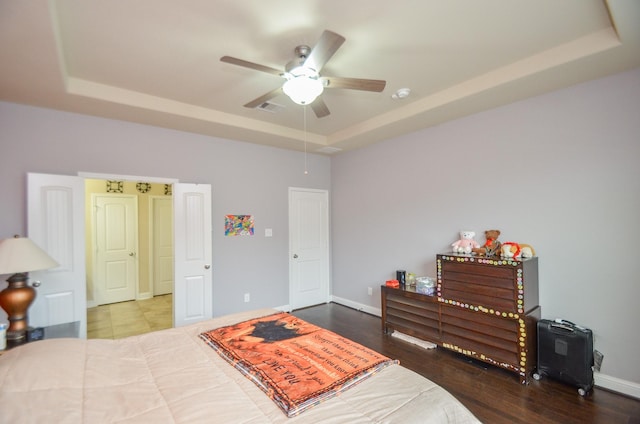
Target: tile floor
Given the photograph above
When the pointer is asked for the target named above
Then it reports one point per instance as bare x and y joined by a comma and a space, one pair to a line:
119, 320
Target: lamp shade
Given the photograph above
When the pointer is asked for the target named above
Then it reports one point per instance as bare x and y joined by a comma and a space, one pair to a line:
19, 255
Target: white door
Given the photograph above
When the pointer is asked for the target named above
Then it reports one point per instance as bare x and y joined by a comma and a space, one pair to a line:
193, 287
161, 245
55, 219
308, 247
115, 247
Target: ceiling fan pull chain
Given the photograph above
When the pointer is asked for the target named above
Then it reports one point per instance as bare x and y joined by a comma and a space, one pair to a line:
304, 112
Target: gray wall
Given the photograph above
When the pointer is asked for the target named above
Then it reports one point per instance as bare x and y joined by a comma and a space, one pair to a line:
245, 179
559, 172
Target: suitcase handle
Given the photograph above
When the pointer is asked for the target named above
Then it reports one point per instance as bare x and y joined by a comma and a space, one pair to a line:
563, 321
567, 325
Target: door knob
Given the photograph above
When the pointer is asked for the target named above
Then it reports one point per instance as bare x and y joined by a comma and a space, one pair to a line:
131, 254
207, 266
36, 284
295, 256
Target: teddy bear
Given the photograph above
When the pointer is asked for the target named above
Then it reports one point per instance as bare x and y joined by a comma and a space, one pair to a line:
466, 242
491, 247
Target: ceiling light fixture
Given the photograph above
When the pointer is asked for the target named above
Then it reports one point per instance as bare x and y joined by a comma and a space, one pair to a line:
303, 85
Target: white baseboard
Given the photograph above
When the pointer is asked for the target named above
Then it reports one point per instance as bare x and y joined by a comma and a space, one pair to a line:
618, 385
144, 296
283, 308
358, 306
91, 304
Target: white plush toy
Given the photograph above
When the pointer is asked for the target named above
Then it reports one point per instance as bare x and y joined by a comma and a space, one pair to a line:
466, 242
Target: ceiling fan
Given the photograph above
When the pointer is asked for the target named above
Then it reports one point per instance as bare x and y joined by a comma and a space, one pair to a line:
303, 80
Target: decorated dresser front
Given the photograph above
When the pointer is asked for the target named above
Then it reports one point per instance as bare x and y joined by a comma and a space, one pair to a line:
490, 309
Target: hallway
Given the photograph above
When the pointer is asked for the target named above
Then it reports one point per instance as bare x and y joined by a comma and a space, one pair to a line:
125, 319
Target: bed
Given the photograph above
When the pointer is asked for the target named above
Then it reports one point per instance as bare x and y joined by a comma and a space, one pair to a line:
176, 376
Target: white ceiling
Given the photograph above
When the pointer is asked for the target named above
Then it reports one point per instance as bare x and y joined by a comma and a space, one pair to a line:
157, 61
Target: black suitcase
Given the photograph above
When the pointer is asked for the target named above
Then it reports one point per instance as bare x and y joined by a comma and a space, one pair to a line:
565, 353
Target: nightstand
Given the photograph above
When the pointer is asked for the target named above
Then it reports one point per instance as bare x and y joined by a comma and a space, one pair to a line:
58, 331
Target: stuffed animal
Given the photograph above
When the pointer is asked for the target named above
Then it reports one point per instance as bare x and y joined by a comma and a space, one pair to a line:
510, 249
492, 246
466, 242
527, 251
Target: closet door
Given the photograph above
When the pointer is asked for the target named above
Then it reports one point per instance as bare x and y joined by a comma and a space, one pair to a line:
193, 282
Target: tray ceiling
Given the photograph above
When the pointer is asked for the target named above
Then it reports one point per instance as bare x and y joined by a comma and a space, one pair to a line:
157, 62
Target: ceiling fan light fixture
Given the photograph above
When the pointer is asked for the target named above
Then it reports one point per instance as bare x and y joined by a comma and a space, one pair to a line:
303, 86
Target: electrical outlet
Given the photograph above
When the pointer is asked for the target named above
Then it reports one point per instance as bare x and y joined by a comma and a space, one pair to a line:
247, 297
370, 291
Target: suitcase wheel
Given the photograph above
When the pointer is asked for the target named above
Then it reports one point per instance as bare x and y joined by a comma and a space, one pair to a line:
584, 390
537, 376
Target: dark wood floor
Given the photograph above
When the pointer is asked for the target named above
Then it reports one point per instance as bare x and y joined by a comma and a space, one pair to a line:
495, 396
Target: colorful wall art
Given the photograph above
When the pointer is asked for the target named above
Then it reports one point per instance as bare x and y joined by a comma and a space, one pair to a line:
238, 225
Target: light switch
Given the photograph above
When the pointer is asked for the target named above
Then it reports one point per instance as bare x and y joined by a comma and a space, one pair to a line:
268, 232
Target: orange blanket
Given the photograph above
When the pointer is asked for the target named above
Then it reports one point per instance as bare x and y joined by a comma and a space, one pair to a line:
297, 364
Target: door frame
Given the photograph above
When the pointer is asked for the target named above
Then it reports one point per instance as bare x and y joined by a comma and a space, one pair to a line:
118, 177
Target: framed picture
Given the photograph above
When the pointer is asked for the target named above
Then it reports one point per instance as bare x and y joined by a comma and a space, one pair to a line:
238, 225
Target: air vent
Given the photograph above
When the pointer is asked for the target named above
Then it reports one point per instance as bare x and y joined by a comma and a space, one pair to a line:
270, 107
328, 150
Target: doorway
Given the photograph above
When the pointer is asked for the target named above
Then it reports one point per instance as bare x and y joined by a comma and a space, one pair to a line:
57, 221
129, 257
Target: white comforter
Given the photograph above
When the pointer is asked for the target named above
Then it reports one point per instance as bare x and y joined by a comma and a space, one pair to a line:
172, 376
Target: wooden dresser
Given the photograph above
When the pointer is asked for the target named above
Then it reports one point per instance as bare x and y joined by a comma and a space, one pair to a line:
485, 308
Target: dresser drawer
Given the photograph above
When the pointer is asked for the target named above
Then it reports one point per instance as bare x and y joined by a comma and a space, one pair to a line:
411, 313
481, 334
492, 285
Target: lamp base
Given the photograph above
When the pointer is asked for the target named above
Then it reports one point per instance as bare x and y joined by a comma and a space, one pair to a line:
15, 300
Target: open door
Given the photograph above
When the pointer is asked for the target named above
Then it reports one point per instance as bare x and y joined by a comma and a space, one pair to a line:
193, 282
55, 221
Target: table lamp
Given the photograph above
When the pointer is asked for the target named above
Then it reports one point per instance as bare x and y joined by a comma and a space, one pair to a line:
18, 256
